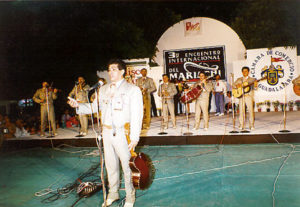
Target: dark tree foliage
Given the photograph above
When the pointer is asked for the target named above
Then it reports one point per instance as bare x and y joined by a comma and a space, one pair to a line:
268, 23
58, 41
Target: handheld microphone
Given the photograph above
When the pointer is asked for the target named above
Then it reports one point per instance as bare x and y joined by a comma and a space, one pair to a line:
76, 83
99, 83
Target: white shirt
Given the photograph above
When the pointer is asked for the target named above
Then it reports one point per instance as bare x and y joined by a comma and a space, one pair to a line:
220, 86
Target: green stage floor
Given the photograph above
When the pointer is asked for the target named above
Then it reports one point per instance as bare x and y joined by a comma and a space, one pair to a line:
189, 175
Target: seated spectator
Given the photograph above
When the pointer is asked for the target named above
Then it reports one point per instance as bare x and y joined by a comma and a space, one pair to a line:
10, 128
73, 122
20, 131
65, 118
31, 124
228, 103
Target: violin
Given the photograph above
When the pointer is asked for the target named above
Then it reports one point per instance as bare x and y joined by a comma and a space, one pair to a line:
52, 89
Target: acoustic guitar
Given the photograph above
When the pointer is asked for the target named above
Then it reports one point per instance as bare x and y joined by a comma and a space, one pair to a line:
141, 167
244, 89
297, 89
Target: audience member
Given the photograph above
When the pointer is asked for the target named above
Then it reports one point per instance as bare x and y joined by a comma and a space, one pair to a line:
228, 102
10, 128
20, 130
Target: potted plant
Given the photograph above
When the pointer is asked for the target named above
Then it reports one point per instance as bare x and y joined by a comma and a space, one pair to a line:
258, 105
298, 104
275, 105
283, 106
291, 105
268, 104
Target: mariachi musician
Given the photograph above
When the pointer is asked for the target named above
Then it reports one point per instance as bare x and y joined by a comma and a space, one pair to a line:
45, 96
247, 98
167, 91
80, 94
202, 102
147, 87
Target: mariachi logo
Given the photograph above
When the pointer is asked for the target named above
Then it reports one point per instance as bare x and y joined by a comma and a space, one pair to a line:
273, 73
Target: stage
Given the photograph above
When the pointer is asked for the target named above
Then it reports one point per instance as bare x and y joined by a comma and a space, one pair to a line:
267, 127
208, 168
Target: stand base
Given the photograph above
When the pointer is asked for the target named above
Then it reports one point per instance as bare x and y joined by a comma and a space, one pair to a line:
50, 136
187, 133
244, 131
284, 131
162, 133
79, 135
233, 131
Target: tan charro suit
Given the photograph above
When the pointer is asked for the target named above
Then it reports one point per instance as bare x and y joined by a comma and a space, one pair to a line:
249, 100
168, 102
81, 96
147, 86
45, 98
126, 106
202, 103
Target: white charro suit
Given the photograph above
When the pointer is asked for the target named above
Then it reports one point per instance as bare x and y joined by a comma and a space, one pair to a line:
249, 100
126, 106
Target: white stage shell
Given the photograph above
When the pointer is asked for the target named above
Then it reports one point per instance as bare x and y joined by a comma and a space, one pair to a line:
212, 33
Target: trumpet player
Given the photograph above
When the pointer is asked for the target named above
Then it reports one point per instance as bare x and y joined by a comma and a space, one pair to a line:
147, 87
167, 91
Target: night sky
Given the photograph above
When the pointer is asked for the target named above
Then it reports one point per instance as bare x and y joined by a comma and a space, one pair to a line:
58, 41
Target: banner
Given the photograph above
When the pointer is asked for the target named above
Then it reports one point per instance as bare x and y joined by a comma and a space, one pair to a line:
279, 66
186, 64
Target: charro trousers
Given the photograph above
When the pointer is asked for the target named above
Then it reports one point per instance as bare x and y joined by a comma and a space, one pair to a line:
44, 118
168, 106
201, 106
242, 107
116, 151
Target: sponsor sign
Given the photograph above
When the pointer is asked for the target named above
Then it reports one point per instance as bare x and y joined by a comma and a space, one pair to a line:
192, 27
277, 64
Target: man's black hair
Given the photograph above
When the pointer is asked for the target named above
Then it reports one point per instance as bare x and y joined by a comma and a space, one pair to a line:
245, 67
121, 64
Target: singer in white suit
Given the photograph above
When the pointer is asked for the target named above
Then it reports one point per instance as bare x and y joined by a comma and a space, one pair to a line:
120, 103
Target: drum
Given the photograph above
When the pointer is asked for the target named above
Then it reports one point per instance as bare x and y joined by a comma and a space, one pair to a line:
191, 95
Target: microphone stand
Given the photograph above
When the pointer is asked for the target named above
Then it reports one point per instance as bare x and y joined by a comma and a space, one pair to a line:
233, 109
162, 132
244, 112
99, 144
284, 130
48, 115
188, 133
79, 125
